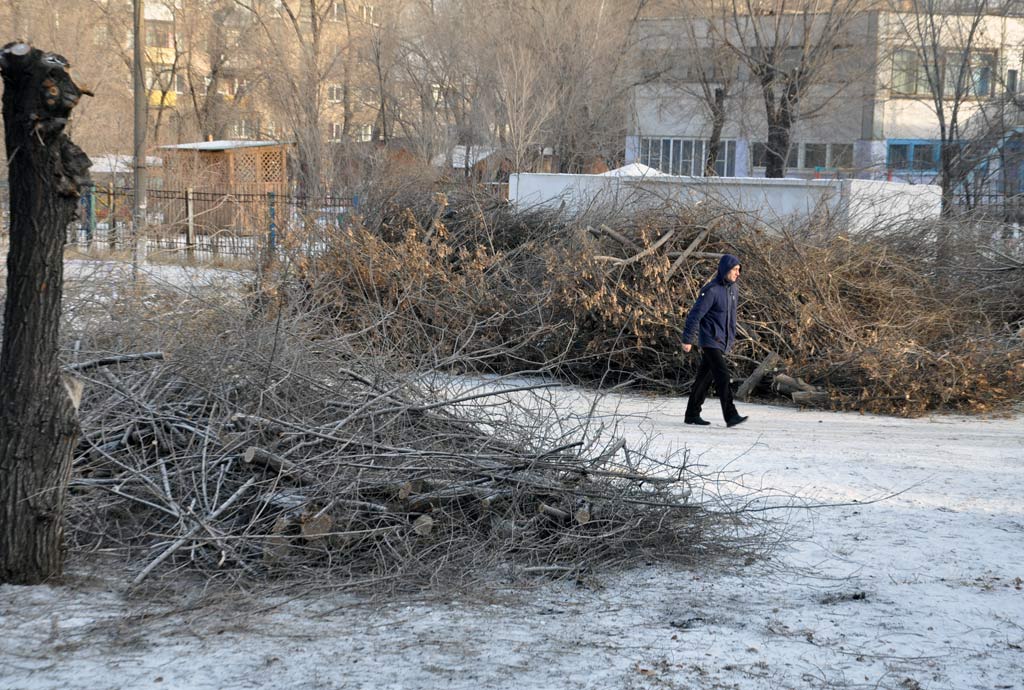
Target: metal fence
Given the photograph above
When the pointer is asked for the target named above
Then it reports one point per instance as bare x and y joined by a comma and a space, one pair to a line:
199, 225
1006, 208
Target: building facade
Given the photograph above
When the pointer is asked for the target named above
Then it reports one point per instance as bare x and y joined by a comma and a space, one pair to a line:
871, 113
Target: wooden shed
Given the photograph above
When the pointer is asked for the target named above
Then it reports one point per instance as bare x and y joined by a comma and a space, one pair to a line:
227, 182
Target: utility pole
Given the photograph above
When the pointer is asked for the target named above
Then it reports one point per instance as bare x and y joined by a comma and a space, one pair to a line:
141, 105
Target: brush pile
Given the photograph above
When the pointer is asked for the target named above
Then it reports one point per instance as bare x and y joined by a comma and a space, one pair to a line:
873, 322
257, 449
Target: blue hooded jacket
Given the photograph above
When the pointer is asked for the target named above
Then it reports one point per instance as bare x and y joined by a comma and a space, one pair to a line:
714, 312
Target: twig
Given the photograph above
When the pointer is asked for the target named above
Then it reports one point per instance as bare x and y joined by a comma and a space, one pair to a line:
116, 359
181, 541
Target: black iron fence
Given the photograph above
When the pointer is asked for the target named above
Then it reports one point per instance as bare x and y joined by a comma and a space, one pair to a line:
201, 224
1006, 208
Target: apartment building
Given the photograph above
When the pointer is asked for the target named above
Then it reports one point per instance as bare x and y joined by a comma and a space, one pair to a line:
871, 112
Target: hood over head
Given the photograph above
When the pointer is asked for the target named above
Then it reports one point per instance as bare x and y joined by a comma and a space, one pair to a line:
726, 264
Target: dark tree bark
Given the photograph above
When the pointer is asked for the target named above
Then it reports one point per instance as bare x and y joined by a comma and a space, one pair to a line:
717, 124
780, 120
38, 424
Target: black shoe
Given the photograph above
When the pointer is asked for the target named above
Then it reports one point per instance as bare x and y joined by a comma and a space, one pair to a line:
698, 421
735, 420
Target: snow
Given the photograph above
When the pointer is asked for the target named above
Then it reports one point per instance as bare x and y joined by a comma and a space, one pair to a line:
918, 590
119, 164
222, 145
463, 156
635, 170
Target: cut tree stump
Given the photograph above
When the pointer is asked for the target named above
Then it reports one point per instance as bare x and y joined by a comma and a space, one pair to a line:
38, 420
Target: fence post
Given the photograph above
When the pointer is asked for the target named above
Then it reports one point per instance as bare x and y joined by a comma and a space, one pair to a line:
190, 230
272, 230
90, 211
111, 217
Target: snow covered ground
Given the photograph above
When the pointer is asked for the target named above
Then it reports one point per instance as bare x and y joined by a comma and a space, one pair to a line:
921, 590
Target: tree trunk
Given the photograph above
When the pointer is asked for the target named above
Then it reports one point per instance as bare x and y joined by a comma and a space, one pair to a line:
780, 127
776, 151
38, 425
717, 124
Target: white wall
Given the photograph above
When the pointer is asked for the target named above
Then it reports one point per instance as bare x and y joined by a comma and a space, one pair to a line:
863, 203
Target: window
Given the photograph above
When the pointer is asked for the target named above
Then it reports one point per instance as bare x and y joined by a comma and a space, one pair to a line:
725, 163
337, 13
759, 155
923, 156
807, 156
1011, 82
913, 155
981, 69
972, 75
793, 158
686, 156
159, 34
369, 14
243, 129
899, 156
841, 155
364, 133
336, 131
815, 155
335, 93
908, 74
180, 83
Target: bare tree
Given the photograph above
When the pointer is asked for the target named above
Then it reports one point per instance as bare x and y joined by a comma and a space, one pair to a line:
949, 58
590, 47
689, 60
789, 47
527, 101
300, 56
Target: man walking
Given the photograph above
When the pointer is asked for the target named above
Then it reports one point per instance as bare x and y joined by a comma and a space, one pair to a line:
714, 315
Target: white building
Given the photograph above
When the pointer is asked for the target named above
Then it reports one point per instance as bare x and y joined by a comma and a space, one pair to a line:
873, 117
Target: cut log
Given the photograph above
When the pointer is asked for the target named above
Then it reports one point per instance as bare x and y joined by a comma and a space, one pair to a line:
503, 527
316, 526
423, 525
583, 514
685, 254
788, 385
811, 398
621, 239
748, 386
278, 543
264, 458
553, 512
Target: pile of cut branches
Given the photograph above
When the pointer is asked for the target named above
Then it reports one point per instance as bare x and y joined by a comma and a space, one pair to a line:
258, 448
871, 321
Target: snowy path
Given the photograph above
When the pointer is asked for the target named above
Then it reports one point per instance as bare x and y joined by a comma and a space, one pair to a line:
922, 590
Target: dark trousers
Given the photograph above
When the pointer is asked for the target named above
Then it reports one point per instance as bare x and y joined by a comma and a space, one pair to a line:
712, 367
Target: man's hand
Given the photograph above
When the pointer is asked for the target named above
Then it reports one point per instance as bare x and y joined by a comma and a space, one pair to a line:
687, 347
